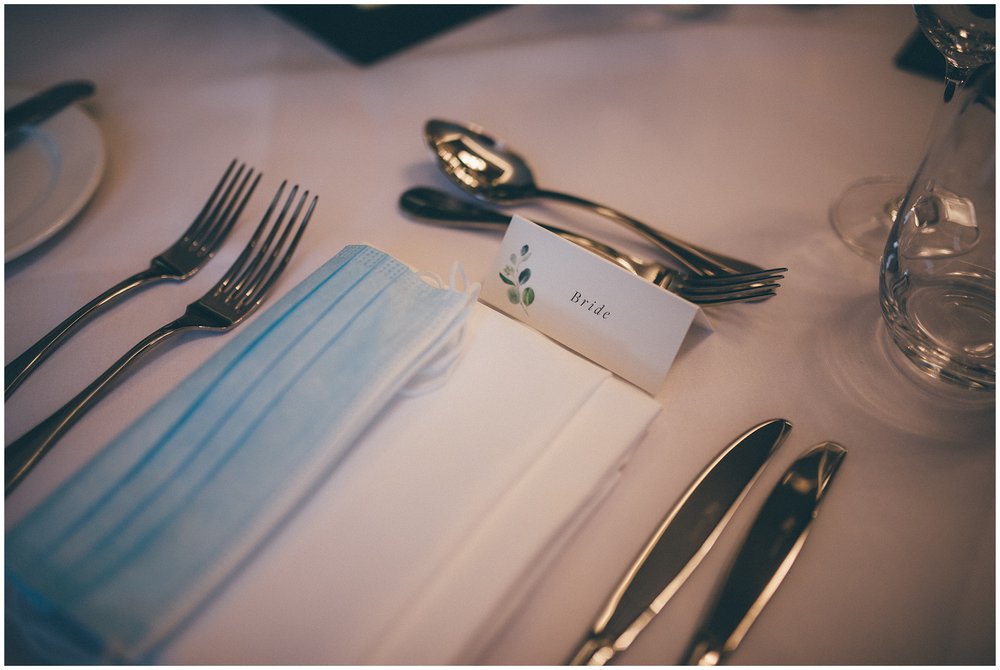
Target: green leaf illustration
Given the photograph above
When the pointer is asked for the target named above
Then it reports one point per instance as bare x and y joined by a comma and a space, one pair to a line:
515, 276
528, 296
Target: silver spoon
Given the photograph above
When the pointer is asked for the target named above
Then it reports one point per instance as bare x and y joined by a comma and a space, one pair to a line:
484, 167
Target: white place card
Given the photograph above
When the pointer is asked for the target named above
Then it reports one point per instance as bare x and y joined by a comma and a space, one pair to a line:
603, 312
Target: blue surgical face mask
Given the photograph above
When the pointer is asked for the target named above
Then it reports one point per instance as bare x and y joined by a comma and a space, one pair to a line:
125, 551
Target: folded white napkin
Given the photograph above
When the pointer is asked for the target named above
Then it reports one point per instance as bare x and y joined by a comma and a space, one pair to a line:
421, 544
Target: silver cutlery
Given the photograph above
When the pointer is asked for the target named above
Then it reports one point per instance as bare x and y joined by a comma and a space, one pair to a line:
179, 262
681, 541
489, 170
45, 104
439, 208
767, 554
227, 304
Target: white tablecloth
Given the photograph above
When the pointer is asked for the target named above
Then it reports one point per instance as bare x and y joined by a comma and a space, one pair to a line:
734, 130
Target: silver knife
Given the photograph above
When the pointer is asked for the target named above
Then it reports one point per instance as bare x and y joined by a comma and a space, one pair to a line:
770, 549
41, 106
680, 542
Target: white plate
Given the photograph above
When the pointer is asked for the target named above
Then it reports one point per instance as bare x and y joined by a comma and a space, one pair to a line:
49, 176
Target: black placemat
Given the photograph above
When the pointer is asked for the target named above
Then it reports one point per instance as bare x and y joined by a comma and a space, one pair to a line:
920, 56
369, 33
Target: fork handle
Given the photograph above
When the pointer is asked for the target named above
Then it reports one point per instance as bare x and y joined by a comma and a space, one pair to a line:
18, 369
695, 259
24, 453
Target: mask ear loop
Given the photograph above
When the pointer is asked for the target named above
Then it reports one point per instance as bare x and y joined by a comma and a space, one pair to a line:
470, 289
457, 276
430, 278
436, 373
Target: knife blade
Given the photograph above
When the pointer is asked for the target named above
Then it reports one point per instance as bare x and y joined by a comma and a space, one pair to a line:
771, 547
41, 106
680, 542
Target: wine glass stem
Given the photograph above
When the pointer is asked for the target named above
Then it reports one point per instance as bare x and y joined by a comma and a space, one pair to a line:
954, 79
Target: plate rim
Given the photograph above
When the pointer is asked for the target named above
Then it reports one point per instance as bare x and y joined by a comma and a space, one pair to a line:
83, 123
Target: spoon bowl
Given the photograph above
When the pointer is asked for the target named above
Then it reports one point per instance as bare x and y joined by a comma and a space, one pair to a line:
479, 163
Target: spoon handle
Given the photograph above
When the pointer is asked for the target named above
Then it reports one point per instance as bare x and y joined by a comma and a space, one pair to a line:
441, 209
697, 260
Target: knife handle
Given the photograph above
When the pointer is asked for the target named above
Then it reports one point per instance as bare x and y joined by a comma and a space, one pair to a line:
39, 107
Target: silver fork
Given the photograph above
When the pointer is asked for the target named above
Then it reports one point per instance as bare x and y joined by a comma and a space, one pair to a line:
440, 208
702, 290
231, 300
181, 261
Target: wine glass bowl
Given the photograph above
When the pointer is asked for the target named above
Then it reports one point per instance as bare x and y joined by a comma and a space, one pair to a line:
964, 34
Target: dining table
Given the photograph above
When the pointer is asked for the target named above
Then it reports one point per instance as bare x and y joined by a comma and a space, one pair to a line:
732, 126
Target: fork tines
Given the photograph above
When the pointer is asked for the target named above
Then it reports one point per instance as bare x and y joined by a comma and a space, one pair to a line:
736, 296
254, 272
733, 279
731, 288
222, 209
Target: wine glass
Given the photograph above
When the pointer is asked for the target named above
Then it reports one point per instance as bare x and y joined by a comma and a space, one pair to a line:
966, 37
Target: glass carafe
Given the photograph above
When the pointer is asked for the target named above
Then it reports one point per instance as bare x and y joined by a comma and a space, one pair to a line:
938, 270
